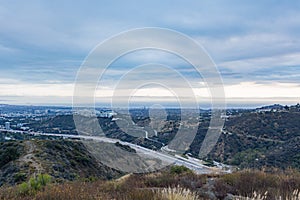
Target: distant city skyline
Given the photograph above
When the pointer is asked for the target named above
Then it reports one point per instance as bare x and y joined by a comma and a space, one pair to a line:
255, 45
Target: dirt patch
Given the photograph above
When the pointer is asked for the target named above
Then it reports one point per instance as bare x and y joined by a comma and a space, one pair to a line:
29, 157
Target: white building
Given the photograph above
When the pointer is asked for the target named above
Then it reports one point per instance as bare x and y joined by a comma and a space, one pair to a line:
106, 113
7, 125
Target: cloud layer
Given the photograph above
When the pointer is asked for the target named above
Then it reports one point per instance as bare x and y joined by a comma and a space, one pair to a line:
255, 45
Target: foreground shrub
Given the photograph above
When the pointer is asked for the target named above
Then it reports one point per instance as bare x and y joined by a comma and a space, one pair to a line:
34, 184
170, 179
271, 185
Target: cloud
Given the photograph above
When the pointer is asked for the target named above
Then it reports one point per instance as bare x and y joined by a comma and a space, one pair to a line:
43, 45
277, 68
234, 93
42, 90
259, 90
247, 46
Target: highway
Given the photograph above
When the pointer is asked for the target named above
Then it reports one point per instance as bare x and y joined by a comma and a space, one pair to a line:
165, 157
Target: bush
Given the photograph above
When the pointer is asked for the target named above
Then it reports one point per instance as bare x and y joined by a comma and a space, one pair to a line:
246, 183
34, 184
8, 153
20, 176
179, 169
24, 188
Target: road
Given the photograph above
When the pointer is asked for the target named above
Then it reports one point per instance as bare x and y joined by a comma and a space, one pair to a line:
177, 160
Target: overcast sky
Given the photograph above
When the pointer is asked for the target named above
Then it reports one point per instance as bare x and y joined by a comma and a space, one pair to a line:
255, 45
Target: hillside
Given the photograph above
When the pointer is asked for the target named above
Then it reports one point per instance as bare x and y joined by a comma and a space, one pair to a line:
253, 139
61, 159
261, 139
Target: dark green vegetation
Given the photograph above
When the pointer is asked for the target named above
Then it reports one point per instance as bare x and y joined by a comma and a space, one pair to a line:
10, 151
63, 124
256, 140
70, 160
163, 185
179, 169
9, 171
125, 147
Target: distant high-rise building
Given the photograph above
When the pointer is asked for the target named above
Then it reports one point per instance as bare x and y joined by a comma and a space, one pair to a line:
7, 125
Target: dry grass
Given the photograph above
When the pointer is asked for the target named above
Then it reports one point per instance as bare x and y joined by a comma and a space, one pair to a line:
168, 186
295, 195
248, 183
177, 193
255, 196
